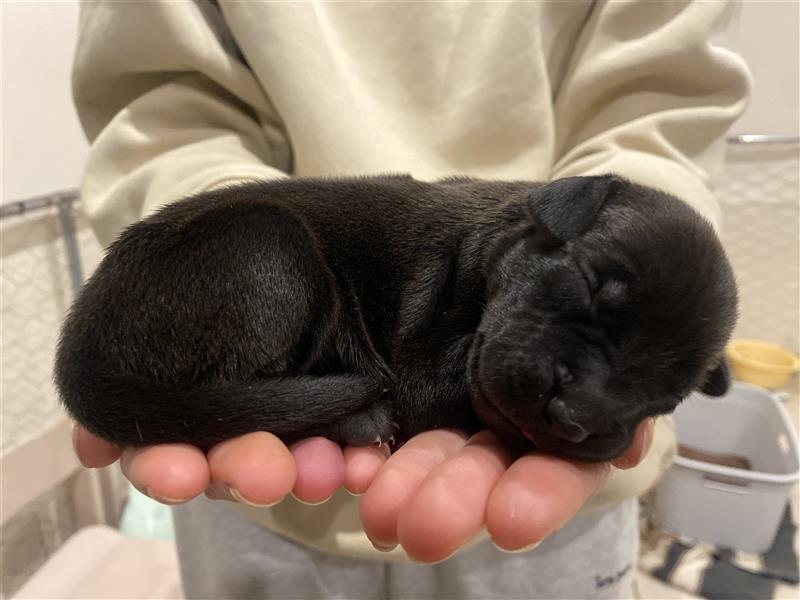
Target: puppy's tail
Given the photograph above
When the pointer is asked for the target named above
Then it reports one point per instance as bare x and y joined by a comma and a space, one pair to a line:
133, 412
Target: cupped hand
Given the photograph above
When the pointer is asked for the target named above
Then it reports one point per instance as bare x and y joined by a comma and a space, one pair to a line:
431, 497
256, 468
441, 488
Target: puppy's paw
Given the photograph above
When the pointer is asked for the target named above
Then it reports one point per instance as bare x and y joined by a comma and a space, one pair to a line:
374, 425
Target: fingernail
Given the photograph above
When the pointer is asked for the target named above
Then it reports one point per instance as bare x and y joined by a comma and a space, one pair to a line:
517, 550
162, 499
237, 495
382, 548
354, 494
431, 563
308, 503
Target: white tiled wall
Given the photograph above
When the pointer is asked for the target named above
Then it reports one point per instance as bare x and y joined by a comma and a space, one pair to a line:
758, 191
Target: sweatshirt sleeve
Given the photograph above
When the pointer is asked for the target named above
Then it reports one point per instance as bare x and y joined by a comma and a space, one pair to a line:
647, 96
170, 109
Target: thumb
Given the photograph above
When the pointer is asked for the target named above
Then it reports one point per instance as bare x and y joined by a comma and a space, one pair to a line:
642, 440
92, 451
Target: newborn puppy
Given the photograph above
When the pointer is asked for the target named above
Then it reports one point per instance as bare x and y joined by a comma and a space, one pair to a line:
369, 309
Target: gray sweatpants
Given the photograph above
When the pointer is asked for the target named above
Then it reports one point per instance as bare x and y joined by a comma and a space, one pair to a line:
223, 555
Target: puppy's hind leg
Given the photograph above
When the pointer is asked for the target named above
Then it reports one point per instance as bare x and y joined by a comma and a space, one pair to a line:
290, 407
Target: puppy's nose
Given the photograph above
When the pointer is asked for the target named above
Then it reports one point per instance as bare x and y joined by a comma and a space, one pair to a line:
563, 424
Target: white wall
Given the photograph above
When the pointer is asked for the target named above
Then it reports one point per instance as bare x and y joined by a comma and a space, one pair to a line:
43, 147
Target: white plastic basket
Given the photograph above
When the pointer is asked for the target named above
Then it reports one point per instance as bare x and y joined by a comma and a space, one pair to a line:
726, 506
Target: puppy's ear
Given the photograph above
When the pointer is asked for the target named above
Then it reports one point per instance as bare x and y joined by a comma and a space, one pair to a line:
565, 208
718, 380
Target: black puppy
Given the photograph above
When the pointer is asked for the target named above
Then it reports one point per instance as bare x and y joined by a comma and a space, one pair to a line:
557, 315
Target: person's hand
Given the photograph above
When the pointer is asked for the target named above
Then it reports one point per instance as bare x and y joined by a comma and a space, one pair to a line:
256, 468
437, 491
432, 496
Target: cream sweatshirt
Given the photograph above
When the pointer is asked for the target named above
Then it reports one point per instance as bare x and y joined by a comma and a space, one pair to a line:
181, 97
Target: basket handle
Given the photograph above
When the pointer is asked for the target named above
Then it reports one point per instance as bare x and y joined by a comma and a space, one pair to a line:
729, 485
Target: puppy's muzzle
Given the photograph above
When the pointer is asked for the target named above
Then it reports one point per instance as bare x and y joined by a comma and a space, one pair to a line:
562, 422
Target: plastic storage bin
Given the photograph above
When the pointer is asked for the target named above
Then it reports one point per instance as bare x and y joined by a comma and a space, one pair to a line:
723, 505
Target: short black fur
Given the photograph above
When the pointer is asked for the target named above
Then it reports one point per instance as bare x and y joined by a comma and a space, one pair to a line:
370, 309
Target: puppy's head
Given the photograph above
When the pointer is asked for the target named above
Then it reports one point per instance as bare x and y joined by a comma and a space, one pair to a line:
612, 304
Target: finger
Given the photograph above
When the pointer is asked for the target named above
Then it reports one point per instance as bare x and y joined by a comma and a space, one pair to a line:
320, 469
399, 478
642, 440
538, 495
92, 451
256, 468
448, 508
362, 465
169, 473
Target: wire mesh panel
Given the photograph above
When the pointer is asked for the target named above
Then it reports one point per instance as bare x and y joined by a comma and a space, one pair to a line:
35, 293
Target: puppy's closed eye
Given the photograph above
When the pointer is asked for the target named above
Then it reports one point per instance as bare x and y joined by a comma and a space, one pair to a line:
613, 293
605, 292
590, 278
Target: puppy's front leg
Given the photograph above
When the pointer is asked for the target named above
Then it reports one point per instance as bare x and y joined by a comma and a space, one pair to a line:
373, 425
432, 391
